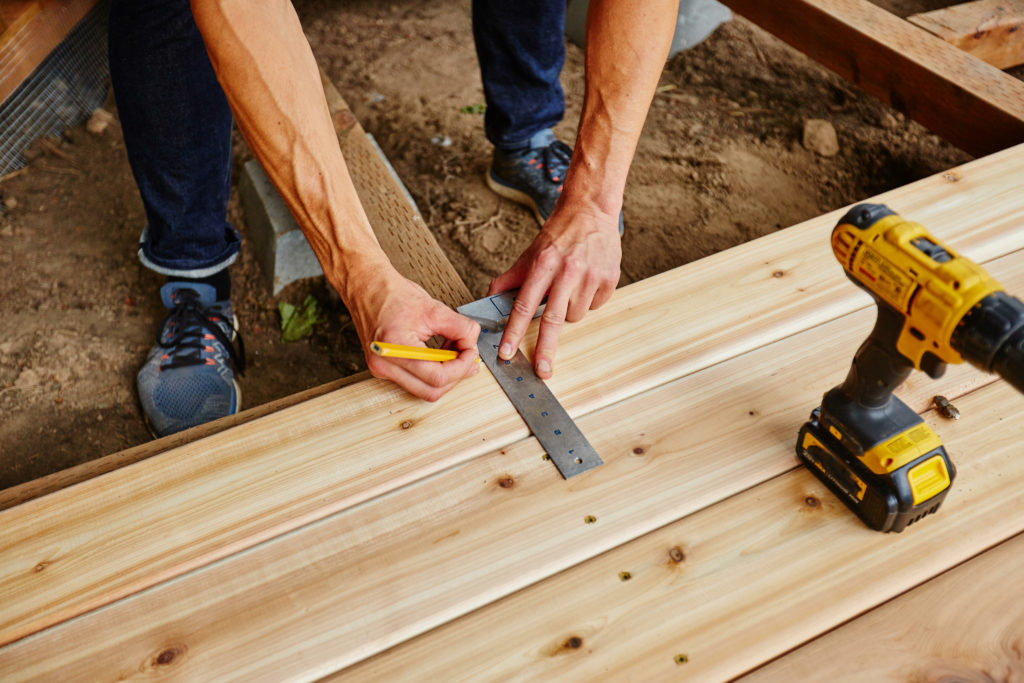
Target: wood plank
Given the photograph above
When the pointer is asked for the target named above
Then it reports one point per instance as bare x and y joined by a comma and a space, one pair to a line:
988, 29
95, 542
762, 573
965, 625
36, 30
30, 490
972, 104
430, 268
660, 466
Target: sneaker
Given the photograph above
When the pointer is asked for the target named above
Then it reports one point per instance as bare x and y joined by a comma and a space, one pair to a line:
188, 378
533, 176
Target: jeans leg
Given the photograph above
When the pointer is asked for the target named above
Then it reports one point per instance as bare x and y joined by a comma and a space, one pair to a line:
177, 131
521, 49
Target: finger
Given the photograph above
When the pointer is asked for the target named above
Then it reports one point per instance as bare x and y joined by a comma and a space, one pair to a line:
580, 302
510, 279
527, 300
423, 379
458, 330
601, 297
551, 324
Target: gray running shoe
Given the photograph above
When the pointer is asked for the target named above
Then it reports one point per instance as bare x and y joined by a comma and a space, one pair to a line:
188, 378
533, 176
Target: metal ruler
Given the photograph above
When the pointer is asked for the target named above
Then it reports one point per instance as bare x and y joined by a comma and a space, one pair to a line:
543, 414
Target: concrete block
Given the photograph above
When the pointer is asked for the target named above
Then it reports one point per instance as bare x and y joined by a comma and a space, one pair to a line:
281, 248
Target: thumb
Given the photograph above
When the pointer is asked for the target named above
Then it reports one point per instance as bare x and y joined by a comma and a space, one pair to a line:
454, 327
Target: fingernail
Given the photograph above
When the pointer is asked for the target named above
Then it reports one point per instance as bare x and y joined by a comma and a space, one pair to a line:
543, 366
505, 351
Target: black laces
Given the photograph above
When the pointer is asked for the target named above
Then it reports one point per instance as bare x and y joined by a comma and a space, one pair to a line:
557, 156
190, 328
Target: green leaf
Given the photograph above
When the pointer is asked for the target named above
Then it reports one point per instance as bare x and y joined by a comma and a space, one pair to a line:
298, 321
474, 108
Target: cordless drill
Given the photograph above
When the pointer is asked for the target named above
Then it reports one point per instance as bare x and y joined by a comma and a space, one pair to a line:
934, 307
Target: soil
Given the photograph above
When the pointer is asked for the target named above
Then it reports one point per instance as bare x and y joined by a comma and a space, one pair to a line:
720, 162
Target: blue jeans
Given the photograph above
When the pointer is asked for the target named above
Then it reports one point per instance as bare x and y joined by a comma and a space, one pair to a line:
177, 132
521, 48
177, 124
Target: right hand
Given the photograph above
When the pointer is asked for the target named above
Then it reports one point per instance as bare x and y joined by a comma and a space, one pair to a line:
394, 309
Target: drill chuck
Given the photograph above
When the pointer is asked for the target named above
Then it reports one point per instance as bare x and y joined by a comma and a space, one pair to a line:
991, 337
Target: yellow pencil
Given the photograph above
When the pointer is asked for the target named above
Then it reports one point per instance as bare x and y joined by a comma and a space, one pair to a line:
412, 352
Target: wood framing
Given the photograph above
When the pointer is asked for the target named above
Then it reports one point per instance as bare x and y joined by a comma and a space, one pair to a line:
970, 103
991, 30
29, 31
246, 554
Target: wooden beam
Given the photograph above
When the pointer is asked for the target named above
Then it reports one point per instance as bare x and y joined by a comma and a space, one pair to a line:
406, 240
33, 30
972, 104
761, 573
988, 29
231, 491
965, 625
660, 466
400, 229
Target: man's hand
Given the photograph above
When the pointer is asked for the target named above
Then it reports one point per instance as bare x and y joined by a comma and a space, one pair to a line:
574, 261
394, 309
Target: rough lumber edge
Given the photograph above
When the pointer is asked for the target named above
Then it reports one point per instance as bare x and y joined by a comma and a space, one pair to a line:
967, 623
970, 103
400, 229
404, 237
988, 29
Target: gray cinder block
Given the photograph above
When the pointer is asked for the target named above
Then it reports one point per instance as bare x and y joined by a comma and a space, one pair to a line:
281, 248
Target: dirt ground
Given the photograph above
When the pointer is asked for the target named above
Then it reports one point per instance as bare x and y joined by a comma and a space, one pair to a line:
720, 162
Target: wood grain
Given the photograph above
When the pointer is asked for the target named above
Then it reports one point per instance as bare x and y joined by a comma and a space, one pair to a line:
486, 528
762, 572
990, 30
103, 539
970, 103
33, 30
965, 625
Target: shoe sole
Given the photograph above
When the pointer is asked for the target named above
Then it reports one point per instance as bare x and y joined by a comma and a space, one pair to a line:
515, 195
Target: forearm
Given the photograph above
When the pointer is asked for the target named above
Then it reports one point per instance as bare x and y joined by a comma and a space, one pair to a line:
268, 72
627, 44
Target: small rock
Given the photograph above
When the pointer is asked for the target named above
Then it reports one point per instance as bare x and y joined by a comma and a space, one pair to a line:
10, 203
99, 121
888, 121
820, 137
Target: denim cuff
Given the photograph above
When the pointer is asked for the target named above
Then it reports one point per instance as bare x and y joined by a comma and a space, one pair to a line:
190, 267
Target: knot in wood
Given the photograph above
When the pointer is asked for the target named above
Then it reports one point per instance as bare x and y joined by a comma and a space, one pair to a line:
676, 554
574, 643
639, 450
169, 655
778, 273
812, 502
506, 482
406, 424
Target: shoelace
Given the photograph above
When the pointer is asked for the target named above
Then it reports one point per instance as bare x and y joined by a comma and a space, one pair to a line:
192, 326
557, 156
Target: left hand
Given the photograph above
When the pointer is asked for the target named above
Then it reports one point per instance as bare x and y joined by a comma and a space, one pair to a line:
575, 262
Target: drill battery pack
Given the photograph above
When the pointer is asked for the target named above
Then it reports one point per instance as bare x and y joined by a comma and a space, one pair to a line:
889, 485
